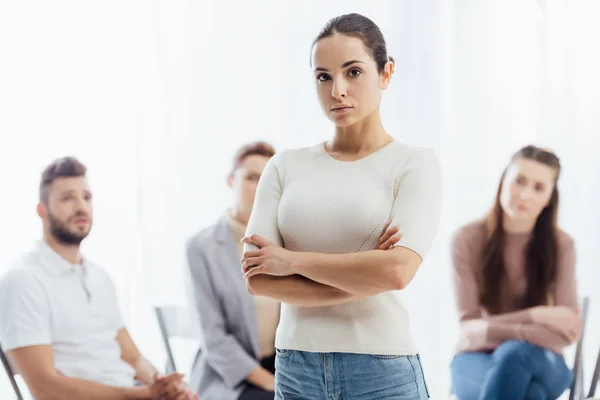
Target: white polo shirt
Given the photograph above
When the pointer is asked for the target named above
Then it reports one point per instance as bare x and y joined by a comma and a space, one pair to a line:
46, 300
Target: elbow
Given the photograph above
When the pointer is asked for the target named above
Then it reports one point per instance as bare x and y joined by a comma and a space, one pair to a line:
399, 281
401, 276
253, 285
403, 268
250, 287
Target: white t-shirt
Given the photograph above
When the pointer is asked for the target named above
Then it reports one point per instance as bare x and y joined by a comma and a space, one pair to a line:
308, 201
45, 300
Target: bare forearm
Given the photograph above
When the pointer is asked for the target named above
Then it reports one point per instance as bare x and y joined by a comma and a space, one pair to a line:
520, 316
262, 378
144, 371
545, 337
298, 290
62, 387
499, 332
364, 273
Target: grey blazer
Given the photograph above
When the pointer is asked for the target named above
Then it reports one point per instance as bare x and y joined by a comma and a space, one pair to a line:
227, 315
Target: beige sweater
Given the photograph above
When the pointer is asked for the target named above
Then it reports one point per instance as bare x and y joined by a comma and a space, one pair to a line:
513, 323
267, 310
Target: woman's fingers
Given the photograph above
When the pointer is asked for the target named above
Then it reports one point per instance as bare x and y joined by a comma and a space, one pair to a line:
387, 234
254, 271
389, 244
387, 226
250, 263
249, 254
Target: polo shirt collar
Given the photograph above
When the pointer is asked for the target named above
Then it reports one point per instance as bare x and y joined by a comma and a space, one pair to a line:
53, 263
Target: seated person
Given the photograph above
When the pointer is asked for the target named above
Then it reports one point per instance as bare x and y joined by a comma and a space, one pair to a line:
238, 358
59, 319
514, 277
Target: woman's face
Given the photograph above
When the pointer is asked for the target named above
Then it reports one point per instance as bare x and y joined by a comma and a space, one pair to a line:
347, 80
526, 189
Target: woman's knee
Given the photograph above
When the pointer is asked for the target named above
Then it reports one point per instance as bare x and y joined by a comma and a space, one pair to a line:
515, 350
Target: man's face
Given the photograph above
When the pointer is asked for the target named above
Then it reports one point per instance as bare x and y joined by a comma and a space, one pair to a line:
68, 211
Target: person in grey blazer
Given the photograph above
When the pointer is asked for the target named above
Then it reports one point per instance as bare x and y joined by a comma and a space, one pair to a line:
237, 359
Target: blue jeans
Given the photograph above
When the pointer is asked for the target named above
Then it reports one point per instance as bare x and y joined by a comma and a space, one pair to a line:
516, 370
301, 375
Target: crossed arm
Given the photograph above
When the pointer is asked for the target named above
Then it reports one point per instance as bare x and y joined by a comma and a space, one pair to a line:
316, 279
551, 327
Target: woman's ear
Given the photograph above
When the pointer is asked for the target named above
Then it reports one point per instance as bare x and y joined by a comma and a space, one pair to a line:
386, 75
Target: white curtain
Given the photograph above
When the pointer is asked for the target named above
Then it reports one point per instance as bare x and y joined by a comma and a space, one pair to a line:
155, 96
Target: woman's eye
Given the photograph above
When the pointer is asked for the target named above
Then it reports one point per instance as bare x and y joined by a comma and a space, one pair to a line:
354, 72
323, 77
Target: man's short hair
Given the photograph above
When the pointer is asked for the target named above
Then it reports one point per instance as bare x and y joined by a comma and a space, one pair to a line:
251, 149
66, 167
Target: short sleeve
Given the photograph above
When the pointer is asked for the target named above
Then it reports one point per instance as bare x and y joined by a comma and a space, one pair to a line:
416, 210
24, 311
263, 218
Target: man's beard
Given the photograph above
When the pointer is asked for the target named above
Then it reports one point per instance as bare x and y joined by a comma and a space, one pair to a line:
62, 233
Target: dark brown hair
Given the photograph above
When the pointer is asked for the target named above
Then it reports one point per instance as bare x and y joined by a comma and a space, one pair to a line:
541, 253
251, 149
66, 167
361, 27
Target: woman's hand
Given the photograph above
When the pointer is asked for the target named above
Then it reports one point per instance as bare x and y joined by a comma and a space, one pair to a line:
566, 321
274, 260
388, 238
473, 335
269, 259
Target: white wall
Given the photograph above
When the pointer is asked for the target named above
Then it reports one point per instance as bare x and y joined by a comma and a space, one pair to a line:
155, 96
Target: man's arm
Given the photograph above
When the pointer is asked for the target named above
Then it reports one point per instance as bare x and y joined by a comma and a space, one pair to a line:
36, 366
144, 370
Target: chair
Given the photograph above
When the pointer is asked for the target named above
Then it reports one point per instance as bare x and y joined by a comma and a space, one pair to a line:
175, 321
576, 390
595, 377
10, 374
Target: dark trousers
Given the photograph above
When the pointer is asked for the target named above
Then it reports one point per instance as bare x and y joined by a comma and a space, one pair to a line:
253, 392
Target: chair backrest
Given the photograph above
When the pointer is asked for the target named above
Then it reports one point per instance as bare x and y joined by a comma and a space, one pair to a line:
175, 321
595, 377
576, 391
10, 373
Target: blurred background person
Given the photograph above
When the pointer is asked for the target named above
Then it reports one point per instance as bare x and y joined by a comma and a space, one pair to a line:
60, 323
237, 360
515, 287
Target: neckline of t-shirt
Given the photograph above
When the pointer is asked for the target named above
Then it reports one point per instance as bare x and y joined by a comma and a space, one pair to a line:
323, 150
